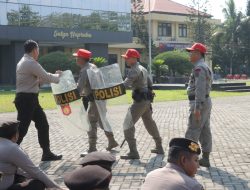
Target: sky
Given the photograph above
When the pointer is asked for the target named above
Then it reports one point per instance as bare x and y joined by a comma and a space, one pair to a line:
216, 6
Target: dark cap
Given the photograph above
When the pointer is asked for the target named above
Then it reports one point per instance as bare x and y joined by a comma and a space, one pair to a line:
88, 178
8, 128
185, 144
102, 159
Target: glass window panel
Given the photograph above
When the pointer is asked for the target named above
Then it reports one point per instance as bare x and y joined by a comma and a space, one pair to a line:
55, 17
76, 18
46, 2
85, 4
85, 22
56, 3
13, 14
35, 15
12, 1
76, 4
24, 1
46, 16
67, 3
3, 14
67, 21
35, 2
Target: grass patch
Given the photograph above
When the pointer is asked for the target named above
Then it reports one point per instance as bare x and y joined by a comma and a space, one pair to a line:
47, 100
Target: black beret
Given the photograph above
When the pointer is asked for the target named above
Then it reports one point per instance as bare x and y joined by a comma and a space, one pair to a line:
102, 159
88, 178
185, 144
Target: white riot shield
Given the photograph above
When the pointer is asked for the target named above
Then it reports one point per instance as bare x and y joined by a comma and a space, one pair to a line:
108, 89
70, 107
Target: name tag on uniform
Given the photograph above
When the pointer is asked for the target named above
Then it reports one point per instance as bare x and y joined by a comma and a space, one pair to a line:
67, 97
108, 93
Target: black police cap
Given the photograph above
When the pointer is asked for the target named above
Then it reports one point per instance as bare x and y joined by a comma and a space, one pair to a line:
102, 159
88, 178
185, 144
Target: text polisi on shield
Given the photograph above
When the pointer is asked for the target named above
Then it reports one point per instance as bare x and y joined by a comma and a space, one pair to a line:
111, 92
65, 98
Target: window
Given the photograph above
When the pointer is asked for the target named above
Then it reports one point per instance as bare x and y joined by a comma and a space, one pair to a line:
164, 29
182, 30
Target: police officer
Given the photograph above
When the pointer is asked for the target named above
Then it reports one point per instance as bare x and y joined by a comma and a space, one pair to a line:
200, 102
141, 85
82, 59
179, 173
29, 75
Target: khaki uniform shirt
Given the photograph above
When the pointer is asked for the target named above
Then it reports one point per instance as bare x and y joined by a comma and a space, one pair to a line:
138, 78
30, 74
83, 84
200, 82
171, 177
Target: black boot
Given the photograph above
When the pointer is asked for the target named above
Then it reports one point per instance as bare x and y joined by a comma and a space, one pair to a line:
50, 156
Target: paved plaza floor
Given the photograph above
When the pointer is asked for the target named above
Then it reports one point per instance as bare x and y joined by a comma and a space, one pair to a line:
230, 159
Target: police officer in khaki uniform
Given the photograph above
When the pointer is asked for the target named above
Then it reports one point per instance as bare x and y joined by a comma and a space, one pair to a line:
83, 85
200, 103
141, 85
179, 173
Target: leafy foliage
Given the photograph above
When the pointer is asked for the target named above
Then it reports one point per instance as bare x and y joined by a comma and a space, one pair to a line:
177, 62
201, 29
99, 61
58, 61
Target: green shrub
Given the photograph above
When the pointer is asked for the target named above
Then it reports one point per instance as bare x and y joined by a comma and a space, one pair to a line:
58, 60
177, 62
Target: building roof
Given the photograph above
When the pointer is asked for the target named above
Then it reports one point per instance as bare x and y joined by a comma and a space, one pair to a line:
167, 6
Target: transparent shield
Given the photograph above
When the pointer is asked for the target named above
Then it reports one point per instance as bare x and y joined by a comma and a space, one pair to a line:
73, 116
109, 93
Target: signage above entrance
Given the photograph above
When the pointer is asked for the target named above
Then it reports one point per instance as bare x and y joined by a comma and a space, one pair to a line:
71, 35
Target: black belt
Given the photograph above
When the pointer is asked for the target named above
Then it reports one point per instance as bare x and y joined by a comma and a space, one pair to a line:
192, 97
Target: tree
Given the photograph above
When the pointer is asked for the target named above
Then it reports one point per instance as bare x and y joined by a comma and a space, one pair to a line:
177, 62
226, 48
140, 28
58, 61
201, 29
24, 17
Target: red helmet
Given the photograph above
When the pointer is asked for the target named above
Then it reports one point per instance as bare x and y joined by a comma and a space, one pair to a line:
131, 53
198, 47
83, 53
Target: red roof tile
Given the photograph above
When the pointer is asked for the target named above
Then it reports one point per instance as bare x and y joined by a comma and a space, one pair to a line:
166, 6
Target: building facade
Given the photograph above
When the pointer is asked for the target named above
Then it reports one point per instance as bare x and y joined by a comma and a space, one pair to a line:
63, 25
170, 25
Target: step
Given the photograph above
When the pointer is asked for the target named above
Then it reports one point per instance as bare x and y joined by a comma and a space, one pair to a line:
238, 90
218, 85
233, 87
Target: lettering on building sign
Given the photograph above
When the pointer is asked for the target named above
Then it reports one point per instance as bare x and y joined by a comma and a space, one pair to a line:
67, 97
111, 92
71, 35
